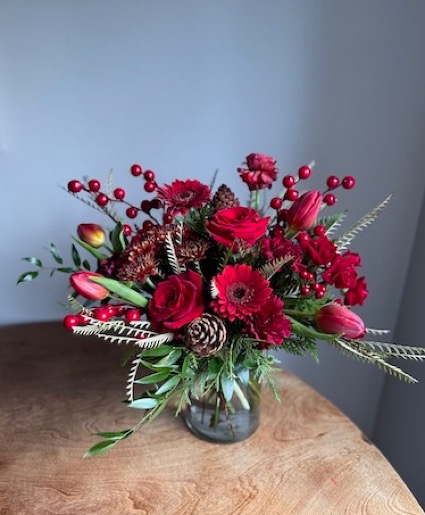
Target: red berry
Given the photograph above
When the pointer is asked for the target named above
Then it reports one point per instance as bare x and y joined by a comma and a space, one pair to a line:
119, 193
146, 206
304, 172
303, 236
316, 286
168, 218
102, 314
278, 230
281, 216
112, 310
127, 230
94, 185
319, 230
320, 294
75, 186
149, 175
276, 203
131, 212
132, 315
304, 290
150, 186
102, 200
147, 225
70, 321
348, 182
332, 182
136, 170
310, 276
329, 199
156, 203
304, 274
288, 181
291, 195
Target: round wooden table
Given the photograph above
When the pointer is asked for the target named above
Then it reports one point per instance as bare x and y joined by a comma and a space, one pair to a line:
58, 389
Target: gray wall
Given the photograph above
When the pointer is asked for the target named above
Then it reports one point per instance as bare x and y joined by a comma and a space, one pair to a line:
187, 87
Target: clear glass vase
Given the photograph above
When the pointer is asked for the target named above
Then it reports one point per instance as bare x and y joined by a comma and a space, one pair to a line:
225, 417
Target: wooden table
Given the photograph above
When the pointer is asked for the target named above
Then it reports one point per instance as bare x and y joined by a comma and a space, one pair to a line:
58, 389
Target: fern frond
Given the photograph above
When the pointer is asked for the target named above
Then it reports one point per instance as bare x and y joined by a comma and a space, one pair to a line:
132, 377
394, 350
344, 241
144, 343
375, 359
213, 290
269, 269
171, 255
377, 331
332, 222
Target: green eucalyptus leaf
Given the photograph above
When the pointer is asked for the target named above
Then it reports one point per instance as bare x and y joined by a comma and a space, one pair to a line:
157, 377
168, 385
86, 265
144, 403
215, 365
156, 352
56, 254
116, 435
186, 366
123, 291
94, 252
75, 256
170, 359
34, 261
100, 448
27, 276
65, 270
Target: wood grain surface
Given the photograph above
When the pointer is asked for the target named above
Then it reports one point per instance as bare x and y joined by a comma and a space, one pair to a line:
58, 389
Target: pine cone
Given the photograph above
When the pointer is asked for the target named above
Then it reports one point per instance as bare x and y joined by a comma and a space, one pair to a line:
224, 198
205, 335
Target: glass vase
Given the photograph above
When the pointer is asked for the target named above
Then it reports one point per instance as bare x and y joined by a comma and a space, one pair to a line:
225, 416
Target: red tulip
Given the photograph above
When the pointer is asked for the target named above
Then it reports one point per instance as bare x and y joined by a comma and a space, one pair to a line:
336, 319
92, 234
82, 284
303, 212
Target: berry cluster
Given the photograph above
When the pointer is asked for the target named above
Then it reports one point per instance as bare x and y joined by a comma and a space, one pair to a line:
103, 314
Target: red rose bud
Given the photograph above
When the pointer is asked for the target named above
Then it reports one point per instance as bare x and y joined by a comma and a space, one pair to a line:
82, 284
261, 171
336, 319
260, 162
92, 234
303, 212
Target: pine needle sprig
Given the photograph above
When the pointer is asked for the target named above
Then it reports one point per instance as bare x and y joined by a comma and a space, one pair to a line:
394, 350
344, 241
105, 210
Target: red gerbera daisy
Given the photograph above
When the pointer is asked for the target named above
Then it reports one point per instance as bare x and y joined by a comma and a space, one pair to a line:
242, 291
270, 324
180, 196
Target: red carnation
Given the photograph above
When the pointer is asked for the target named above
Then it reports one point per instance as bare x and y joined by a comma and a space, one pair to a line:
342, 272
358, 294
237, 223
261, 171
242, 291
320, 250
279, 247
270, 324
180, 196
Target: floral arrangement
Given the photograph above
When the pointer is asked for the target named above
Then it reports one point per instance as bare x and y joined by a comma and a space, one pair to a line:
200, 288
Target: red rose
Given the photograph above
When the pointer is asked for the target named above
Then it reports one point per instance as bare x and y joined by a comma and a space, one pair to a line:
177, 301
237, 223
261, 171
358, 294
341, 271
321, 250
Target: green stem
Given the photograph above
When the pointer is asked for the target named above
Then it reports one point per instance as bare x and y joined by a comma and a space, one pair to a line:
257, 200
240, 395
297, 312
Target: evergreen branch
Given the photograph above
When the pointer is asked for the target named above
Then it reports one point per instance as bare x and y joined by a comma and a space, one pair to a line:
104, 210
213, 290
332, 222
395, 350
213, 179
132, 377
377, 331
269, 269
344, 241
370, 357
144, 343
171, 255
